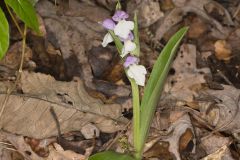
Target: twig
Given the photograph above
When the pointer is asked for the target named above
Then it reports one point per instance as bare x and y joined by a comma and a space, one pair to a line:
66, 144
224, 77
54, 115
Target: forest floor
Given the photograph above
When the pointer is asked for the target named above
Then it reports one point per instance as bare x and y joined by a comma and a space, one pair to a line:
68, 77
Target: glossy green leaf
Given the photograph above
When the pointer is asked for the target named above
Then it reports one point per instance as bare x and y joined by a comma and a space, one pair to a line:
110, 155
136, 52
4, 34
26, 12
156, 81
117, 42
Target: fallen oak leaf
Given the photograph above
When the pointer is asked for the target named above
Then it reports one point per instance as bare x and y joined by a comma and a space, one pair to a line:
28, 114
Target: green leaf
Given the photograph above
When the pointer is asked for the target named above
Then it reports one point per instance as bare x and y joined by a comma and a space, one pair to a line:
26, 12
117, 42
136, 52
156, 81
110, 155
4, 34
33, 2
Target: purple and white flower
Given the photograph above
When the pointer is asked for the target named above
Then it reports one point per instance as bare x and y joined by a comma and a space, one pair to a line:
120, 15
107, 39
130, 60
108, 24
128, 47
130, 37
123, 28
135, 71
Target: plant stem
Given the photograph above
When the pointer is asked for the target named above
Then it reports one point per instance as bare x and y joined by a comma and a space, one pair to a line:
136, 118
14, 20
23, 49
10, 90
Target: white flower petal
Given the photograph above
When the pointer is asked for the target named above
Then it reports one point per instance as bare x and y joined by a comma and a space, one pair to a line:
107, 39
129, 46
142, 69
137, 72
123, 28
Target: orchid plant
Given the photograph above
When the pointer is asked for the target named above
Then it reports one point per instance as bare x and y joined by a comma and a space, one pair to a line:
125, 35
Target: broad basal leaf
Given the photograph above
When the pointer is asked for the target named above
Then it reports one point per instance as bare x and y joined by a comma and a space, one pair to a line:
110, 155
4, 34
26, 12
156, 82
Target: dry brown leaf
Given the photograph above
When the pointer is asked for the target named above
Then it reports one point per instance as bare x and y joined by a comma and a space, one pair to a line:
90, 131
187, 80
218, 155
20, 145
57, 153
13, 56
72, 33
180, 127
176, 139
159, 150
223, 50
148, 12
223, 109
197, 28
182, 8
216, 147
167, 5
28, 114
77, 36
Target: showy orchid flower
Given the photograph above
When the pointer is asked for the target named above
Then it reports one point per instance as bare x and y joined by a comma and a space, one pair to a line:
128, 47
135, 71
125, 35
123, 30
120, 15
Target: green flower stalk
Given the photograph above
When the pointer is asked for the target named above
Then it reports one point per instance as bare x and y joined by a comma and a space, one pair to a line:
125, 35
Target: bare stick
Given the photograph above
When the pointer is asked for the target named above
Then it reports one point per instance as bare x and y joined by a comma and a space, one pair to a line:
56, 121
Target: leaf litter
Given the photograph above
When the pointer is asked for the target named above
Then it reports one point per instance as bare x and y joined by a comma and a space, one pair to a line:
64, 71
